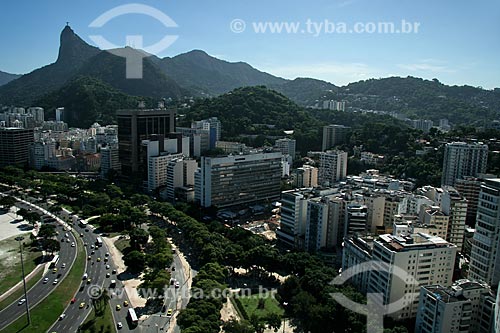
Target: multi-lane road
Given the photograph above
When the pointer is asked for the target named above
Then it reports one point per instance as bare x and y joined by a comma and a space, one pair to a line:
41, 289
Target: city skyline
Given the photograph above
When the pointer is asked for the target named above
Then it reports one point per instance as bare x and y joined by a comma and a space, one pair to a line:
443, 47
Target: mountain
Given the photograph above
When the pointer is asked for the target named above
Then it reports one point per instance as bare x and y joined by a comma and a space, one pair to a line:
425, 99
73, 53
87, 100
204, 74
111, 68
305, 91
7, 77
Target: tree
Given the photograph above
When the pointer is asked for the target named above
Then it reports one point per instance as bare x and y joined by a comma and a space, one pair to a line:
138, 238
7, 201
135, 261
47, 231
51, 245
235, 326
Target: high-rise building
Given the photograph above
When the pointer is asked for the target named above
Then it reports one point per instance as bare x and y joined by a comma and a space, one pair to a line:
355, 219
334, 135
306, 176
14, 146
463, 159
199, 139
293, 218
456, 309
235, 180
316, 225
180, 173
332, 167
469, 187
434, 218
357, 250
110, 160
455, 206
137, 125
286, 146
213, 125
426, 259
497, 312
60, 114
485, 252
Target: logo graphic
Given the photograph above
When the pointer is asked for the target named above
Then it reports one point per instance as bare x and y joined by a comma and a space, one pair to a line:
375, 309
134, 58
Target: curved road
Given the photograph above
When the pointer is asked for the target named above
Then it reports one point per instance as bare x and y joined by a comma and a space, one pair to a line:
41, 290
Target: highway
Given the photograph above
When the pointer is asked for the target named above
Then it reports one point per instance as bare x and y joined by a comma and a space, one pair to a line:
41, 290
96, 271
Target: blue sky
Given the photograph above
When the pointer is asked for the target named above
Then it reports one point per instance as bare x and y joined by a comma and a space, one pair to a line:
458, 41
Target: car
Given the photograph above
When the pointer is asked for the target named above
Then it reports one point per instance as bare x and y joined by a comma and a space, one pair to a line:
98, 259
45, 280
73, 300
105, 259
173, 268
81, 235
85, 276
86, 230
119, 324
177, 285
82, 305
66, 234
89, 280
107, 254
92, 252
55, 281
114, 271
54, 270
68, 240
61, 317
125, 303
89, 257
73, 244
118, 307
21, 301
169, 312
62, 240
63, 265
107, 266
108, 275
85, 244
91, 246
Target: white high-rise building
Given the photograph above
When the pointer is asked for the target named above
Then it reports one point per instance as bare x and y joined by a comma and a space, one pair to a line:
180, 173
157, 170
293, 218
485, 252
454, 205
332, 167
426, 259
463, 159
465, 307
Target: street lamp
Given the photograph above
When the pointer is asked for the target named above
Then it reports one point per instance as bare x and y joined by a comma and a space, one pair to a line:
20, 239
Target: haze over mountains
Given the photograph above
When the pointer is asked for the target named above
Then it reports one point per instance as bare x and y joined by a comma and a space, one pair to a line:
198, 74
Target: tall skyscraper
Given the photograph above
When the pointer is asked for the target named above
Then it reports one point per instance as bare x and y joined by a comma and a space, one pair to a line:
334, 135
427, 259
235, 180
485, 252
15, 146
332, 167
463, 159
136, 125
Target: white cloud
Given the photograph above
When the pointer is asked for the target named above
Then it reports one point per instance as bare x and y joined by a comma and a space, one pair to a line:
431, 65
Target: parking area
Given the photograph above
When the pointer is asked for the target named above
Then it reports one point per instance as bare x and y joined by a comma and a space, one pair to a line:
10, 226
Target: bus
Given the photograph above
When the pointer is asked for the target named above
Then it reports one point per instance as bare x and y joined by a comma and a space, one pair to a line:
54, 261
132, 316
98, 241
